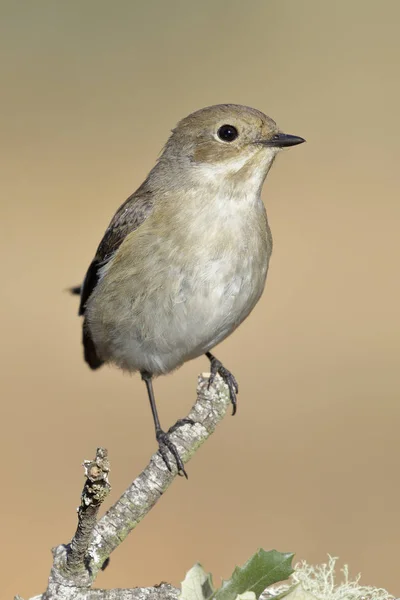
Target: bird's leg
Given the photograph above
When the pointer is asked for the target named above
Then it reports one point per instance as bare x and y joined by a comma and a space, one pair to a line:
162, 437
218, 367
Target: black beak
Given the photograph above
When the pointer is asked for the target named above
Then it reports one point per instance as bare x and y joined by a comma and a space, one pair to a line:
283, 140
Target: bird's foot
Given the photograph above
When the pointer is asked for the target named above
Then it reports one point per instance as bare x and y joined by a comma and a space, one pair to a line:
181, 423
229, 379
165, 444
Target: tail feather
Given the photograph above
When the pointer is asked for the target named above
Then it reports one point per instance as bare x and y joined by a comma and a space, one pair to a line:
89, 350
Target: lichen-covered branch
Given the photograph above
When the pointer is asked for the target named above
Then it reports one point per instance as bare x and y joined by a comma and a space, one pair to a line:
160, 592
76, 565
146, 490
95, 491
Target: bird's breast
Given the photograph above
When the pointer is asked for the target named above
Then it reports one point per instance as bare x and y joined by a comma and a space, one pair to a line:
180, 284
218, 270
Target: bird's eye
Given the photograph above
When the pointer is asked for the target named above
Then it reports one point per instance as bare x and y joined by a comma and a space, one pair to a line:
227, 133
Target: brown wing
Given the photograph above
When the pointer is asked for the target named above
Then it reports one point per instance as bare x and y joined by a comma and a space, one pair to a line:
128, 217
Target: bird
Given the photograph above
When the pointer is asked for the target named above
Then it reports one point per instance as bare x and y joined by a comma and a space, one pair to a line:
185, 258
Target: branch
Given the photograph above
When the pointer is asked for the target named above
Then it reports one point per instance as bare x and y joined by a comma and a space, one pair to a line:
165, 591
146, 490
95, 491
76, 565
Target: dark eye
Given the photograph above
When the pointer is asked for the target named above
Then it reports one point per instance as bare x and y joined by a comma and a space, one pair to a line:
227, 133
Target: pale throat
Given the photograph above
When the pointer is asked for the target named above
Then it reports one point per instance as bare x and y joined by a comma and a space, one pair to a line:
244, 174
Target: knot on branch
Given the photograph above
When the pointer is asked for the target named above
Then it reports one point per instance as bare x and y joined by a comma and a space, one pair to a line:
97, 487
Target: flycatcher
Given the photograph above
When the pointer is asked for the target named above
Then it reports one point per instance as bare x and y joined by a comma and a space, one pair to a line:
185, 258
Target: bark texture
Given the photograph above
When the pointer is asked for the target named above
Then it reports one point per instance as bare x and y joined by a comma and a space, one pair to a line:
76, 565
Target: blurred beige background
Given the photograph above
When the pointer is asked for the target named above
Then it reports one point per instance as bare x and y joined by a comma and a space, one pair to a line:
90, 91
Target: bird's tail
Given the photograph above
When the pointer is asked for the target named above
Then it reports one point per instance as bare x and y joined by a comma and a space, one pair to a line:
89, 348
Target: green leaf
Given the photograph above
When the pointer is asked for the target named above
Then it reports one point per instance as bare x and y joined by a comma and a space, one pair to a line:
197, 585
263, 569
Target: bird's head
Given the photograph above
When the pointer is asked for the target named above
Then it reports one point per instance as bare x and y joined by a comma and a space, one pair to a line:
227, 141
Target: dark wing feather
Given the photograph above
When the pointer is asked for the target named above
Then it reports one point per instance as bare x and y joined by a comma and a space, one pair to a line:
128, 217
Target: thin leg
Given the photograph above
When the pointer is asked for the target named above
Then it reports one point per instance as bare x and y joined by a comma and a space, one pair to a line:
148, 379
218, 367
164, 443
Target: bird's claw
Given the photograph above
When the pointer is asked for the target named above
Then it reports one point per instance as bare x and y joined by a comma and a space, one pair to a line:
229, 379
164, 444
181, 423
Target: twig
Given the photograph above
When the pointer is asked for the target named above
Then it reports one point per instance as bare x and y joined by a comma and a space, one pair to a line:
95, 491
146, 490
76, 565
165, 591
